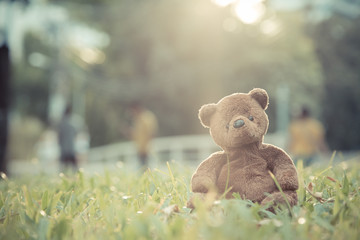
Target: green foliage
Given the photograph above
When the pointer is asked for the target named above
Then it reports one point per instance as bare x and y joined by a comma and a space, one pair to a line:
125, 205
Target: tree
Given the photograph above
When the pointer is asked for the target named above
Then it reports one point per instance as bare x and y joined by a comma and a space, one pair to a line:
337, 43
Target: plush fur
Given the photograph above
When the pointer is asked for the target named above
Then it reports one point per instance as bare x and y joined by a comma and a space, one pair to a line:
237, 124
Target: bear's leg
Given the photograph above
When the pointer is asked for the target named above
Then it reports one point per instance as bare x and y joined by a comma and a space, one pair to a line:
277, 198
195, 197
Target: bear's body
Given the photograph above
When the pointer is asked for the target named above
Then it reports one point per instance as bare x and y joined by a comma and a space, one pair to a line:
238, 124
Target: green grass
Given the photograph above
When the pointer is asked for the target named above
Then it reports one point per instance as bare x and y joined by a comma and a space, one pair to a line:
125, 205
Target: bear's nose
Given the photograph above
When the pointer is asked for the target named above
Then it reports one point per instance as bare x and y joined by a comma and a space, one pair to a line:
239, 123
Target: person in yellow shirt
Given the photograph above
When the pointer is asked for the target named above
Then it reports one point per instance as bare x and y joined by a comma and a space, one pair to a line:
307, 138
143, 130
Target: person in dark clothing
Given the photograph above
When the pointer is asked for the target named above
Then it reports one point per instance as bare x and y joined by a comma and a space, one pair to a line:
66, 137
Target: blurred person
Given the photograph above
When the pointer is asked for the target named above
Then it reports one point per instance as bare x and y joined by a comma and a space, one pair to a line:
144, 128
47, 149
307, 138
67, 133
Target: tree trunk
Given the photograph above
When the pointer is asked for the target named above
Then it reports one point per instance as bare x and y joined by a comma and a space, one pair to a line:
4, 104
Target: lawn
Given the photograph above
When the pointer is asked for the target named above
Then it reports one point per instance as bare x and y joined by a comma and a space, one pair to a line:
135, 205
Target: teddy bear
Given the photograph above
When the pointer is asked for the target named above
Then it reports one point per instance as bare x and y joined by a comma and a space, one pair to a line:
237, 124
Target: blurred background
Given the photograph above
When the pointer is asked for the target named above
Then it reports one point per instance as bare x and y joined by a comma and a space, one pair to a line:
173, 56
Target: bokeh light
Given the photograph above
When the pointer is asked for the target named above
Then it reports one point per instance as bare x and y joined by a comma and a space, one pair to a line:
250, 11
92, 56
270, 27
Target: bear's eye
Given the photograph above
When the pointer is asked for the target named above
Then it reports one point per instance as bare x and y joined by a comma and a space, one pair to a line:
251, 118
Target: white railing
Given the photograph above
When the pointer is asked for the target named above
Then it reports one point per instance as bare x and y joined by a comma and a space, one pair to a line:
188, 147
191, 148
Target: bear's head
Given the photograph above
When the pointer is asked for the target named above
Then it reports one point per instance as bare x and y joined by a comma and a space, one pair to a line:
238, 119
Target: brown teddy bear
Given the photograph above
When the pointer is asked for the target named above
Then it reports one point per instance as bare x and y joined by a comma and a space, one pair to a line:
238, 123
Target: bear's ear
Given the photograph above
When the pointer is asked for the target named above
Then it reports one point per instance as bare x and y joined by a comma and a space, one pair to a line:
205, 113
261, 96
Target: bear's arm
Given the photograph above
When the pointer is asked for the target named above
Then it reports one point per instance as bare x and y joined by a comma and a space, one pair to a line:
207, 173
281, 165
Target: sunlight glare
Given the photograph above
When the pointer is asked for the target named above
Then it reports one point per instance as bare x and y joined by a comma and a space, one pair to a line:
249, 11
